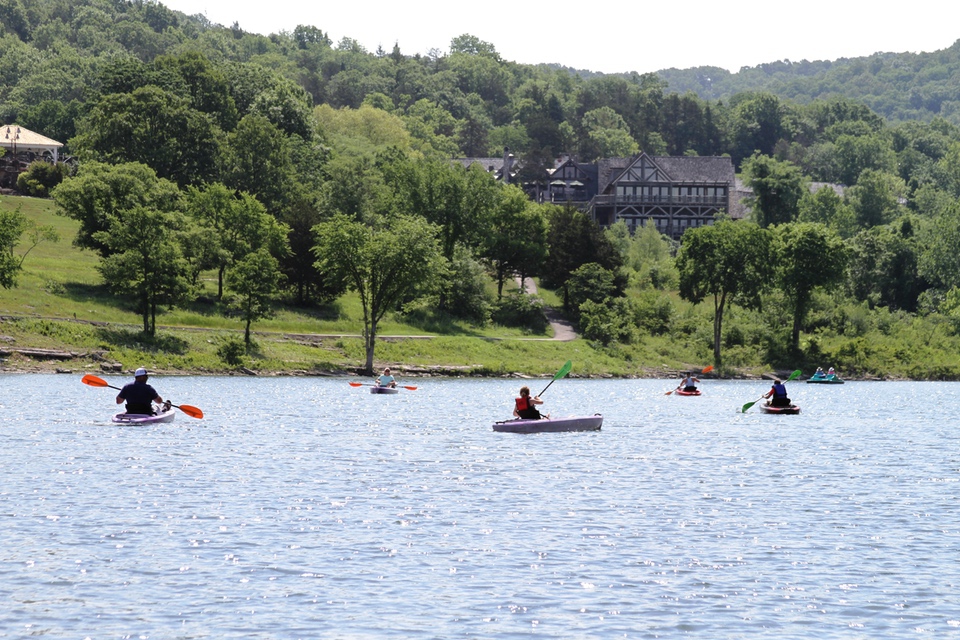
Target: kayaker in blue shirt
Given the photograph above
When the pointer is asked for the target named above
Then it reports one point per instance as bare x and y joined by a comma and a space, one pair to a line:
525, 406
778, 394
385, 379
139, 395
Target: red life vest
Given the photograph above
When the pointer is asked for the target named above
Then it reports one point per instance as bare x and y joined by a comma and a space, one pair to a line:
523, 403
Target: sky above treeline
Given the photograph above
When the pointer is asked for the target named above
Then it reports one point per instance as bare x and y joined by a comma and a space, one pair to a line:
616, 36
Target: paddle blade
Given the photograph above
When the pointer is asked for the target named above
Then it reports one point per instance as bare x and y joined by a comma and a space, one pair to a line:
410, 387
193, 412
355, 384
793, 376
564, 370
748, 405
94, 381
707, 369
668, 392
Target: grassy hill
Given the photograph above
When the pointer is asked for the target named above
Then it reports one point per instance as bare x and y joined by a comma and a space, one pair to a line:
61, 304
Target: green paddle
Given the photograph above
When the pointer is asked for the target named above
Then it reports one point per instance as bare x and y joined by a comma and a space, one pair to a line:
793, 376
564, 370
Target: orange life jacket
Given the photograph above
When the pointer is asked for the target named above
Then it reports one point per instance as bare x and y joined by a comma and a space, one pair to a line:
523, 403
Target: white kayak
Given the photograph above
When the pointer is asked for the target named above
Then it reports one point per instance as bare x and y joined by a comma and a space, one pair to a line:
550, 425
142, 418
376, 389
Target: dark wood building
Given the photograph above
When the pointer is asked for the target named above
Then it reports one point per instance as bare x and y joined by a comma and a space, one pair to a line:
675, 193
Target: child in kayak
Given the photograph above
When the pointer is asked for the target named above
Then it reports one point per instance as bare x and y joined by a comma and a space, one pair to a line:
525, 408
778, 394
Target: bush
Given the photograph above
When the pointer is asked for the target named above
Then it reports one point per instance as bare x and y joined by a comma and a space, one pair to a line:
40, 177
608, 321
232, 351
518, 310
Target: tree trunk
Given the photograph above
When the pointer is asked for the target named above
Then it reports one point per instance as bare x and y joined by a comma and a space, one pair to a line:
246, 334
718, 304
370, 339
220, 282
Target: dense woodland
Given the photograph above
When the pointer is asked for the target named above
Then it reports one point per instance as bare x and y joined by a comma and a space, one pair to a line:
295, 168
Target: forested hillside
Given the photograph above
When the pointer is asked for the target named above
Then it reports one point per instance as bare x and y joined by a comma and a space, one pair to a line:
897, 86
289, 169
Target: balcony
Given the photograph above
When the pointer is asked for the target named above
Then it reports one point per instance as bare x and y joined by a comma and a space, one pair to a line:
626, 200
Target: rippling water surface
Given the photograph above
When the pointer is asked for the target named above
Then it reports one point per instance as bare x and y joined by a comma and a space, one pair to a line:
307, 508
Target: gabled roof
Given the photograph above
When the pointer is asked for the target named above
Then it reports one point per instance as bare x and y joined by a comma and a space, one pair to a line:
23, 138
666, 169
493, 165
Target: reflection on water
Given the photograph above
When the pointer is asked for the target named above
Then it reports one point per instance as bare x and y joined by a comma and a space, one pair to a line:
307, 508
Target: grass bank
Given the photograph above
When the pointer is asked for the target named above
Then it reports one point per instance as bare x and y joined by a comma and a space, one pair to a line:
60, 306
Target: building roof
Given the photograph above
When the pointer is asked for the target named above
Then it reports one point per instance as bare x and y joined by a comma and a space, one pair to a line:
14, 135
493, 165
679, 168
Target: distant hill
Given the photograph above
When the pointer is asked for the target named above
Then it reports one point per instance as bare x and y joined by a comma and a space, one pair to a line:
897, 86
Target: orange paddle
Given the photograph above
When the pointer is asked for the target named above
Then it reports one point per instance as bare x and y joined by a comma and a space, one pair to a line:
94, 381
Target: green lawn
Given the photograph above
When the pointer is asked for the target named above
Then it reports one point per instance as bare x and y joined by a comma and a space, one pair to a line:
60, 283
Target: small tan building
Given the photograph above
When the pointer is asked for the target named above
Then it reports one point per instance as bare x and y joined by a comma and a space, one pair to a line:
21, 147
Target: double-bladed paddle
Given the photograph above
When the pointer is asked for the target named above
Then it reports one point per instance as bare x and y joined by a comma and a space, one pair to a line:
705, 370
367, 384
793, 376
94, 381
564, 370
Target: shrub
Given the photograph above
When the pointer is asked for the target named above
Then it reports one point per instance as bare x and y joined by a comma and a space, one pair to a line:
40, 177
518, 310
232, 351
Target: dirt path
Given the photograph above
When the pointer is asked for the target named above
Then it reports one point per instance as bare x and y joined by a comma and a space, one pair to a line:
562, 329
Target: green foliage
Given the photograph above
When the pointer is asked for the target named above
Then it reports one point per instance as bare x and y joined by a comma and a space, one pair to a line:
145, 263
152, 126
254, 280
730, 262
802, 249
40, 177
101, 195
232, 351
590, 282
12, 225
777, 189
382, 263
607, 321
520, 310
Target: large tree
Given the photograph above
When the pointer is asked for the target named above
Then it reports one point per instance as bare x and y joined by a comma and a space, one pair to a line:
254, 280
808, 256
382, 263
145, 263
516, 239
240, 226
777, 187
729, 261
573, 240
102, 194
152, 126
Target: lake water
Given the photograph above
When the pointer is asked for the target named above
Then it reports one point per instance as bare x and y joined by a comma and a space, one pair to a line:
305, 508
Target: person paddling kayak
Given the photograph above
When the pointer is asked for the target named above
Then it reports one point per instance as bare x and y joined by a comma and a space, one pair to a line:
386, 380
525, 408
689, 383
778, 394
139, 395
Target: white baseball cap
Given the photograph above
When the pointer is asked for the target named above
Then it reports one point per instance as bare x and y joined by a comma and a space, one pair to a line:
139, 372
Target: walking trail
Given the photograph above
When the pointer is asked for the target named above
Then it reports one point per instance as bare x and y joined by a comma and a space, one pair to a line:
562, 329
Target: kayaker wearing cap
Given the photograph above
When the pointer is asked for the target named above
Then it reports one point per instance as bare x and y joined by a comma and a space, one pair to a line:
779, 393
139, 395
385, 379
